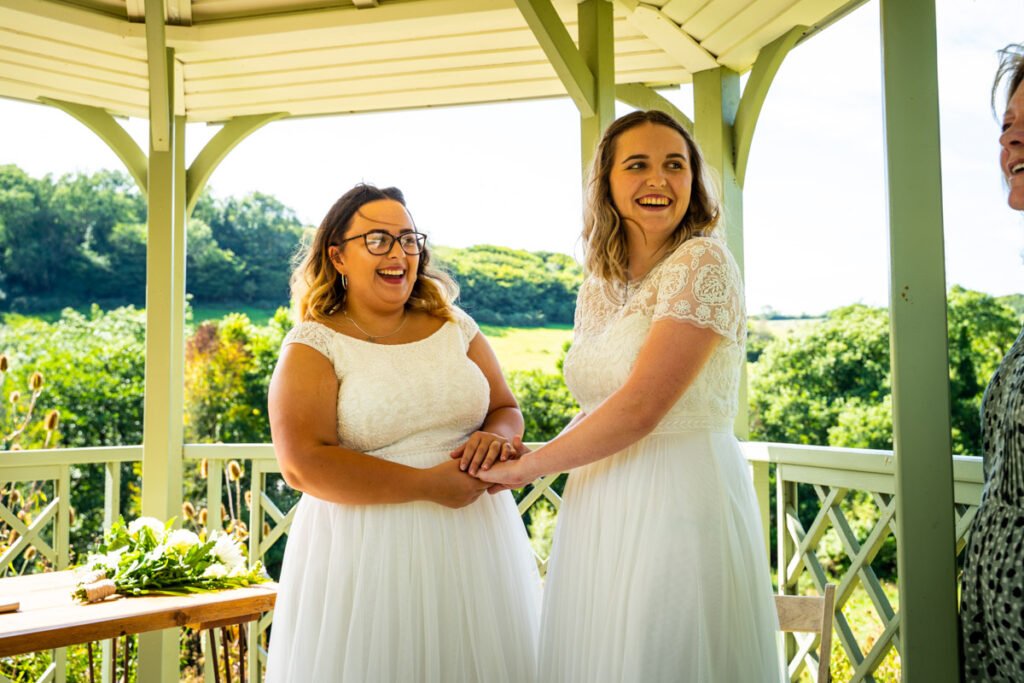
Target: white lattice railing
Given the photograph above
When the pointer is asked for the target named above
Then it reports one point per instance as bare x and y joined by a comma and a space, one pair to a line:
47, 533
829, 475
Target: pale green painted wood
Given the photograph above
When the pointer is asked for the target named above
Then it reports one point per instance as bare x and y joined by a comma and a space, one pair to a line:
214, 494
27, 473
641, 97
597, 47
259, 483
111, 132
560, 50
760, 474
161, 80
62, 525
866, 481
176, 388
756, 90
163, 409
62, 546
232, 133
716, 98
920, 363
228, 451
55, 457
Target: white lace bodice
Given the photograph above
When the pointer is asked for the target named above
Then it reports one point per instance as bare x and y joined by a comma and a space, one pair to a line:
698, 283
401, 399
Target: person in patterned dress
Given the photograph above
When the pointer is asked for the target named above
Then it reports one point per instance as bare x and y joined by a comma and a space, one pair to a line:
992, 595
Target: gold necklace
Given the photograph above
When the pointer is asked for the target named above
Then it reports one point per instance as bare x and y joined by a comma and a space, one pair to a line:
372, 338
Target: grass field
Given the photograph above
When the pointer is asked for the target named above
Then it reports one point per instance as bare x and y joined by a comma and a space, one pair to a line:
518, 348
258, 315
528, 348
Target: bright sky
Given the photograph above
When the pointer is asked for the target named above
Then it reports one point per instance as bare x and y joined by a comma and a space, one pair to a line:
816, 233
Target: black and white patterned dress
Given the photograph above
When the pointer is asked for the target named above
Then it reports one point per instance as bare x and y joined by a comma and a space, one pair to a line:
992, 602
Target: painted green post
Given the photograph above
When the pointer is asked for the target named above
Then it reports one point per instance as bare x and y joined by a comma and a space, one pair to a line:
597, 47
920, 364
165, 298
716, 99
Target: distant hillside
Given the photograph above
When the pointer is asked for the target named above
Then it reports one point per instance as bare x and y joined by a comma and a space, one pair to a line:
81, 239
503, 286
1014, 301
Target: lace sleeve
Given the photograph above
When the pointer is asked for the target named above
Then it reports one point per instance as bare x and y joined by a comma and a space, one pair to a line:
700, 284
313, 335
467, 326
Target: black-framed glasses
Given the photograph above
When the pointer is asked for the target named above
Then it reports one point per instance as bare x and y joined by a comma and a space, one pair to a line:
379, 242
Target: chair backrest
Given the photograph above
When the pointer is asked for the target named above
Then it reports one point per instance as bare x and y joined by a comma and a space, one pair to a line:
811, 614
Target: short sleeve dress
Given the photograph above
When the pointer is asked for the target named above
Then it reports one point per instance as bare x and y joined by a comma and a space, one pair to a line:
992, 593
658, 570
413, 591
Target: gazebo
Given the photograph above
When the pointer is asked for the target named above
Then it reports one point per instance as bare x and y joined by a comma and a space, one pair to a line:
247, 63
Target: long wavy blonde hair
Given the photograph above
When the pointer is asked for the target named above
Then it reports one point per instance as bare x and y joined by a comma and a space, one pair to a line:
317, 288
606, 251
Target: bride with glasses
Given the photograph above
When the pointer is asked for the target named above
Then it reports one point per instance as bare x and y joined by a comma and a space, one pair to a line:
397, 568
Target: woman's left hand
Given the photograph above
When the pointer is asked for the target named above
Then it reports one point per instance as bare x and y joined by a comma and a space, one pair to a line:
513, 474
482, 450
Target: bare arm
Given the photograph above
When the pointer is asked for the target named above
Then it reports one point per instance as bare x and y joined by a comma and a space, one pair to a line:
504, 420
303, 422
670, 359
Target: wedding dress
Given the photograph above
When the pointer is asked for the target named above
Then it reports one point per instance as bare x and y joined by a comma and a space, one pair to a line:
413, 591
658, 570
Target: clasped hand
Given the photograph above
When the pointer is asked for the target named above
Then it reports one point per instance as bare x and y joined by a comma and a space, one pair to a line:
483, 449
493, 460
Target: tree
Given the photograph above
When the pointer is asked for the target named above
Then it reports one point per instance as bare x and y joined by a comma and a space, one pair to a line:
503, 286
830, 385
263, 234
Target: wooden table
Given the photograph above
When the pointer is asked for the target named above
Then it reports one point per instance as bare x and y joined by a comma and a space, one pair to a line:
49, 617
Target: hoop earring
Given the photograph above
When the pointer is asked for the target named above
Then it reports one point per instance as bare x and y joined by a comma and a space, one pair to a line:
344, 281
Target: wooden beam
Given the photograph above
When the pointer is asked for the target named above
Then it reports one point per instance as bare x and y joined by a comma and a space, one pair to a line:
597, 48
755, 92
668, 35
640, 96
565, 58
112, 133
160, 109
232, 133
925, 515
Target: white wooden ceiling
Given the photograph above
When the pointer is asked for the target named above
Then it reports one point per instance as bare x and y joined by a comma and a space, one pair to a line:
310, 57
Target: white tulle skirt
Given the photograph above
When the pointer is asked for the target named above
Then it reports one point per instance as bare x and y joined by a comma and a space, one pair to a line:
413, 592
658, 570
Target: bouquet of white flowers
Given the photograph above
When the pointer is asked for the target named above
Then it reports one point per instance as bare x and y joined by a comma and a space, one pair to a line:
148, 556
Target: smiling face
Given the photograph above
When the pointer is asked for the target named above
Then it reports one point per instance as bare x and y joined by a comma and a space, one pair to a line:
1011, 158
378, 283
651, 179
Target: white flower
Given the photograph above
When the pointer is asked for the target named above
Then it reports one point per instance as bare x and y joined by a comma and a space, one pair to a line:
109, 561
156, 553
181, 540
229, 552
154, 524
215, 571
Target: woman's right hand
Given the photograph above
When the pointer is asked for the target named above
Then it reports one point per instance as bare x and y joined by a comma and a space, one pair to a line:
449, 486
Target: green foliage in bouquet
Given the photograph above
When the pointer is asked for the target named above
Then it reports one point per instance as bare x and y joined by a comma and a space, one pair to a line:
149, 556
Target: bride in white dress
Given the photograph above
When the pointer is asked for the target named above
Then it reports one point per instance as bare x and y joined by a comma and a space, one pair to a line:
396, 568
658, 570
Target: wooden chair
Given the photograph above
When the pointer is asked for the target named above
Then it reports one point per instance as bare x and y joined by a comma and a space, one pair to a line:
810, 614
